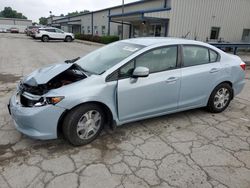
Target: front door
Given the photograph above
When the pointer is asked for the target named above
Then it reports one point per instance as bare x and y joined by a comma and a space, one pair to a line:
156, 94
59, 34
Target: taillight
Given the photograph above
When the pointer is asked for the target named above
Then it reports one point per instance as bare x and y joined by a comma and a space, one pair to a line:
243, 66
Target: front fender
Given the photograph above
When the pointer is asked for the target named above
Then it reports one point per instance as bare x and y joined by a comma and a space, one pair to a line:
106, 95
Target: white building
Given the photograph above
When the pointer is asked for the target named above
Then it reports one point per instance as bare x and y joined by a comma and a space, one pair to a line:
227, 20
52, 19
21, 24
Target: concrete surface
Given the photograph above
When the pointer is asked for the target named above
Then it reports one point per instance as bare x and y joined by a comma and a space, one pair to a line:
189, 149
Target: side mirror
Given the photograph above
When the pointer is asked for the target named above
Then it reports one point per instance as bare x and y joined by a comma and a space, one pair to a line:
140, 72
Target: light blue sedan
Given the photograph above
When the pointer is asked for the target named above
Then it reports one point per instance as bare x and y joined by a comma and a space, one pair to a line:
123, 82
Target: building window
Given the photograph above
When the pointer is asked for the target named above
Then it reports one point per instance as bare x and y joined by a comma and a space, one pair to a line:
246, 35
103, 30
89, 29
215, 31
158, 30
96, 30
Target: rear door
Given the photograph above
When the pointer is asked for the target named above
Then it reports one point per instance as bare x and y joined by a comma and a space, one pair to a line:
155, 94
200, 72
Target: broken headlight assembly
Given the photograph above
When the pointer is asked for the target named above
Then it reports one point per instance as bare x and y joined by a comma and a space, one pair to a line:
48, 100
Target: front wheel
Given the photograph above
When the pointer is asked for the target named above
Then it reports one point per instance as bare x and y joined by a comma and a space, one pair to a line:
220, 98
68, 39
83, 124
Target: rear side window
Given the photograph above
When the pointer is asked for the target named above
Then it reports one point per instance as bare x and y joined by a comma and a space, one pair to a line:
50, 30
195, 55
213, 56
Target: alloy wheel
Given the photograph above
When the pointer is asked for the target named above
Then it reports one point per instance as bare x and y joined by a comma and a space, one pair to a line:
89, 124
221, 98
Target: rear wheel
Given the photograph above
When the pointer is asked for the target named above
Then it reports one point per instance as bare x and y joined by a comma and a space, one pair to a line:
83, 124
220, 98
45, 38
68, 39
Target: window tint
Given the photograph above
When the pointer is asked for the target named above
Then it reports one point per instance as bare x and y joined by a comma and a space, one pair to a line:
59, 31
51, 30
195, 55
158, 60
213, 56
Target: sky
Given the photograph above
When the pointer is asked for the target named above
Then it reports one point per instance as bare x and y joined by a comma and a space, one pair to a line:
34, 9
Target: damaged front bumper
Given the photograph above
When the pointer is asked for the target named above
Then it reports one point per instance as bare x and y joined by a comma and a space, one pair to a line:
36, 122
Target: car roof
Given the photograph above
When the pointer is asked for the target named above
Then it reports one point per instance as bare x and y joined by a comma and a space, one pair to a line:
47, 28
148, 41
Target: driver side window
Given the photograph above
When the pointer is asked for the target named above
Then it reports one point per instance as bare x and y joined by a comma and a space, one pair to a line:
59, 31
157, 60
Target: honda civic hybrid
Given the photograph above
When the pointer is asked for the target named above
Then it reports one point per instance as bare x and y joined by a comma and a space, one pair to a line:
123, 82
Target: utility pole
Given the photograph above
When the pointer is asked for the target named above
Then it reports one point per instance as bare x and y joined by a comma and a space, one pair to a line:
122, 17
50, 12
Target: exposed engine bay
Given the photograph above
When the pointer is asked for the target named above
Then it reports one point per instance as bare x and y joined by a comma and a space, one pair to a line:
73, 74
29, 94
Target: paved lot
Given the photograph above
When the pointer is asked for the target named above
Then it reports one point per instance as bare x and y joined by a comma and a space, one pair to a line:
188, 149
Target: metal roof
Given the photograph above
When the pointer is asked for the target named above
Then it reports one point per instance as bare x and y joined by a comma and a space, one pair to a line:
118, 6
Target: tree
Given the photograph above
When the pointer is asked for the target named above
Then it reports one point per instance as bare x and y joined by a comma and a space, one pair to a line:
8, 12
77, 13
43, 21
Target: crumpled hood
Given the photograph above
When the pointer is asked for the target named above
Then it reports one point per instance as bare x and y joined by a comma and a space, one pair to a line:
45, 74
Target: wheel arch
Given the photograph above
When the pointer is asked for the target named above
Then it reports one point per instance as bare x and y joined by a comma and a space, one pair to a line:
229, 83
68, 36
109, 121
224, 82
45, 35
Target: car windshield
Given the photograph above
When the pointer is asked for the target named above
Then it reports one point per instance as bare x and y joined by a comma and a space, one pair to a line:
106, 57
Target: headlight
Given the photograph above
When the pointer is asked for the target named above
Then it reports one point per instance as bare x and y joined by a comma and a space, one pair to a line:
48, 100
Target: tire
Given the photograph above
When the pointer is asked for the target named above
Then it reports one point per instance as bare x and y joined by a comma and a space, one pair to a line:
78, 128
220, 98
45, 38
68, 39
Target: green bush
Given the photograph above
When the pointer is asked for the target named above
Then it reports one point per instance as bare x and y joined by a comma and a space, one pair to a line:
109, 39
95, 38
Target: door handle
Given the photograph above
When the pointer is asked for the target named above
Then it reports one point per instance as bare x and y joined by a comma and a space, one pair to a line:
172, 79
213, 70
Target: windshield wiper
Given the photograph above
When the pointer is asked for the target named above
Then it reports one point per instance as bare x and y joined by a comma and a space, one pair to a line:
72, 60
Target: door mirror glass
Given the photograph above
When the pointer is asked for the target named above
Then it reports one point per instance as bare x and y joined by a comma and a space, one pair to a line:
140, 72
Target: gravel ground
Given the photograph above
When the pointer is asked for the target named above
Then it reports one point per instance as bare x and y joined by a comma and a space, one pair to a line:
189, 149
